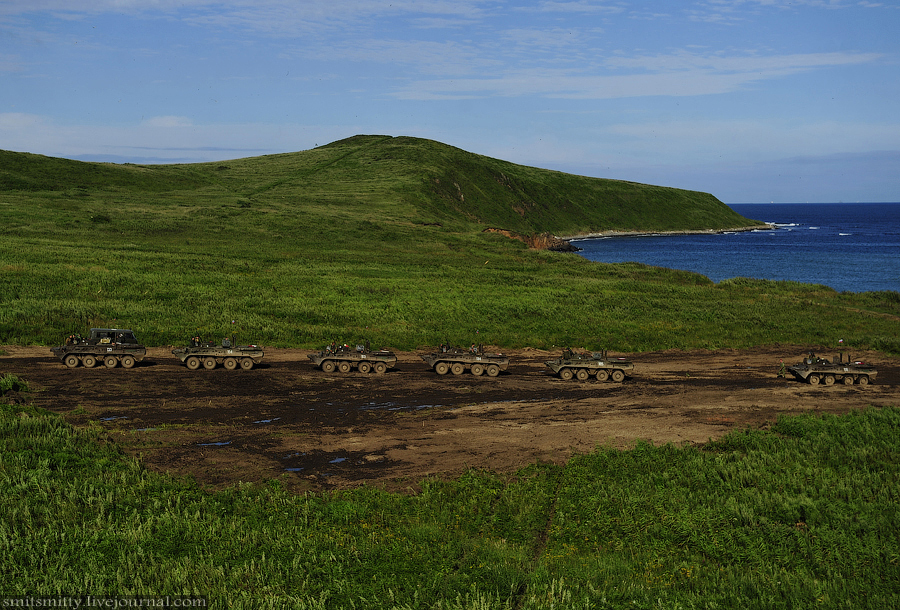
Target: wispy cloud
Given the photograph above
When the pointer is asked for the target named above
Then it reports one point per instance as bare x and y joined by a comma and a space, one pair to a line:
680, 74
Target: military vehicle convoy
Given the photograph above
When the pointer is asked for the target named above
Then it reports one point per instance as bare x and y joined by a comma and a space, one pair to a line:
344, 358
583, 366
109, 346
209, 354
815, 370
450, 359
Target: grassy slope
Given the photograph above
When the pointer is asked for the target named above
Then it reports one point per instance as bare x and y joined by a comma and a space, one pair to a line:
378, 237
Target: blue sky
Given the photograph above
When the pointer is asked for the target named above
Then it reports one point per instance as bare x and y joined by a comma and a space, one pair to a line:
751, 100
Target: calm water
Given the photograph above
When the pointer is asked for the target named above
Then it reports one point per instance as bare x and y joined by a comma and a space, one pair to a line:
849, 247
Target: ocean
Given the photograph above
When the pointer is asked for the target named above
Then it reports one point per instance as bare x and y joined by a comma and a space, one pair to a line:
851, 247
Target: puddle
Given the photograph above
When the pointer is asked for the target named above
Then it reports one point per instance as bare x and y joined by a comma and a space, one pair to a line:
337, 460
112, 418
298, 454
219, 444
267, 421
393, 406
293, 469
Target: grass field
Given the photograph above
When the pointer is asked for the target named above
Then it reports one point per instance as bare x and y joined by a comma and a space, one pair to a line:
383, 238
800, 516
380, 238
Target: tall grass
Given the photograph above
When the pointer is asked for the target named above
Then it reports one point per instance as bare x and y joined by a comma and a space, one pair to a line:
801, 516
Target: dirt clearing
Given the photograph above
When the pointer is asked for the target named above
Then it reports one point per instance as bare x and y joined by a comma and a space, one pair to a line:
286, 419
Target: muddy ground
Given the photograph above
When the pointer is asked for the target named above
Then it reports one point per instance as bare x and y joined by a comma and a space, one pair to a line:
286, 419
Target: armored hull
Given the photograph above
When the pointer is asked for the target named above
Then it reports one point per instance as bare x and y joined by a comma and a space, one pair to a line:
457, 361
108, 346
815, 370
344, 359
583, 366
209, 355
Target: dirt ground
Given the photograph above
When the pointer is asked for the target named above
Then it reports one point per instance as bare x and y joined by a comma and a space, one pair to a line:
315, 431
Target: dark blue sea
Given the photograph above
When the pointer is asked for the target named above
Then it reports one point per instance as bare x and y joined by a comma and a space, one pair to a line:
850, 247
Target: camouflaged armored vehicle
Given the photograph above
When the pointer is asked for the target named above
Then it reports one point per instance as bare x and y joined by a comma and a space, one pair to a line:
815, 370
107, 346
456, 360
583, 366
344, 358
209, 354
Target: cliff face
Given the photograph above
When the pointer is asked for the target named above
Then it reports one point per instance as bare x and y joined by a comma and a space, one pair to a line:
543, 241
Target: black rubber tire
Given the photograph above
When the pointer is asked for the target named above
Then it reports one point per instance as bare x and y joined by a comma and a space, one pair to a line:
493, 370
380, 368
441, 368
71, 361
209, 363
328, 366
582, 374
566, 374
344, 367
602, 375
230, 364
111, 362
193, 363
618, 375
458, 368
89, 362
127, 362
364, 367
247, 363
477, 369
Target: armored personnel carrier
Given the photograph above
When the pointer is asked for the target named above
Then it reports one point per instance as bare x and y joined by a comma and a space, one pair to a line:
209, 354
456, 360
583, 366
109, 346
815, 370
344, 358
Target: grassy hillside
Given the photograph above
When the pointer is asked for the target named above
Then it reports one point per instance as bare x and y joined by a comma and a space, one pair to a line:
382, 238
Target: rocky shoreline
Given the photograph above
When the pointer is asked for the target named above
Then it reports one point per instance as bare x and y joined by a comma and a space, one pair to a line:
763, 227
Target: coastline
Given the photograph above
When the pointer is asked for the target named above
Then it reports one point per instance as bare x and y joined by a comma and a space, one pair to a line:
605, 234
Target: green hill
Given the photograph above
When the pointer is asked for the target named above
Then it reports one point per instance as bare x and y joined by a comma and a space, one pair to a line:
382, 238
402, 179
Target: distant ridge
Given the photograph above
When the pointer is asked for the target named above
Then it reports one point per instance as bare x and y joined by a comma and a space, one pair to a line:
406, 179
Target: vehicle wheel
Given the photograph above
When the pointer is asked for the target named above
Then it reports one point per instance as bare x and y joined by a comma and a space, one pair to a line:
89, 362
863, 380
209, 363
127, 362
71, 361
230, 364
493, 370
328, 366
813, 380
365, 367
458, 368
111, 362
566, 374
828, 379
380, 368
848, 379
193, 363
618, 375
602, 375
582, 374
344, 367
247, 363
477, 369
441, 368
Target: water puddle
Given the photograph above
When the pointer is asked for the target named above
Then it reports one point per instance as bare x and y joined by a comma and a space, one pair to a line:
219, 444
267, 421
113, 418
293, 469
337, 460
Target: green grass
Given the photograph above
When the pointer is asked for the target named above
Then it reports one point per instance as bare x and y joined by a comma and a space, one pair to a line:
801, 516
380, 238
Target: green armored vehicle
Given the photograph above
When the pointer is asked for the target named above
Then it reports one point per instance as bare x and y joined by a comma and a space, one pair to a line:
344, 358
109, 346
456, 360
209, 354
583, 366
815, 370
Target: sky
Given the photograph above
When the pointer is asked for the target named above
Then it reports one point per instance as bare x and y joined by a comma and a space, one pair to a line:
754, 101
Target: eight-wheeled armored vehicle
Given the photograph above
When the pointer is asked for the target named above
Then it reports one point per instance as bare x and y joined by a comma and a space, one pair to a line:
109, 346
343, 358
815, 370
450, 359
585, 365
209, 354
